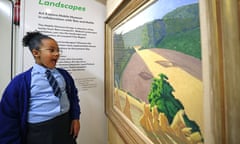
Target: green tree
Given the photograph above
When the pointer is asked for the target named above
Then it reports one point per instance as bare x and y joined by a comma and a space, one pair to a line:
161, 96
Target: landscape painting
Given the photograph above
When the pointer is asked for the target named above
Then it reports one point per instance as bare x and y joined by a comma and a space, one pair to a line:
158, 72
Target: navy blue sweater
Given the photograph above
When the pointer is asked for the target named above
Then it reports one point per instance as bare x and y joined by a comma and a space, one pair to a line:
14, 106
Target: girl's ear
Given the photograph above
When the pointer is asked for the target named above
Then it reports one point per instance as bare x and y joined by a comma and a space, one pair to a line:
35, 53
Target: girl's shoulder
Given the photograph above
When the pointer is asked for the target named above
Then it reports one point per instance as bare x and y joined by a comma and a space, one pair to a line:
24, 76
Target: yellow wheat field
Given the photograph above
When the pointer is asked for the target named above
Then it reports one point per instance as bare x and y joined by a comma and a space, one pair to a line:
188, 89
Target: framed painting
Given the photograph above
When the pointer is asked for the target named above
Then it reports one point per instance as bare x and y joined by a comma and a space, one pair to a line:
153, 72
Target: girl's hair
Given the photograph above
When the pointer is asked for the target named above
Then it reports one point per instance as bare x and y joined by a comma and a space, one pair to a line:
34, 39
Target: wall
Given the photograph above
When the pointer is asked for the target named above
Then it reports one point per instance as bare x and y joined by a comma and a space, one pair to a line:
90, 79
113, 136
112, 5
6, 43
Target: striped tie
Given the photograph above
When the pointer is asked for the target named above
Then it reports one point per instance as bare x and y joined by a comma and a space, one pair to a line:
53, 82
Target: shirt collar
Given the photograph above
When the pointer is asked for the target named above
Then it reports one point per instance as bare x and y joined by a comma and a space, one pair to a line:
41, 69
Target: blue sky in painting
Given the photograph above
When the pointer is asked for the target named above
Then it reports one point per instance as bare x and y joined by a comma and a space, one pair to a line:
155, 11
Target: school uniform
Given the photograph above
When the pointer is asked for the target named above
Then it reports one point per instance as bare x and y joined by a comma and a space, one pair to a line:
29, 108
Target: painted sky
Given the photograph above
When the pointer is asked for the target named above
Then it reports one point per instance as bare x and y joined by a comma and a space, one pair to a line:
155, 11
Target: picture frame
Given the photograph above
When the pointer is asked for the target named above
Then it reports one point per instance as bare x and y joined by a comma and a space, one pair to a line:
129, 132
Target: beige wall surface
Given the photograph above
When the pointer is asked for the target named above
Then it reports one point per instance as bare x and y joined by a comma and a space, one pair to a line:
113, 136
112, 5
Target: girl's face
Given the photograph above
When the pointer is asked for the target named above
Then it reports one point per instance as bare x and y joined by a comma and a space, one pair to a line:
48, 53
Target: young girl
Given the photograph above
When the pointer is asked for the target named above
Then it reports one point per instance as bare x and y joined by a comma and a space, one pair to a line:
40, 105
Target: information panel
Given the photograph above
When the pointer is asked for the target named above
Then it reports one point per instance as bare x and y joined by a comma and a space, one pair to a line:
78, 27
